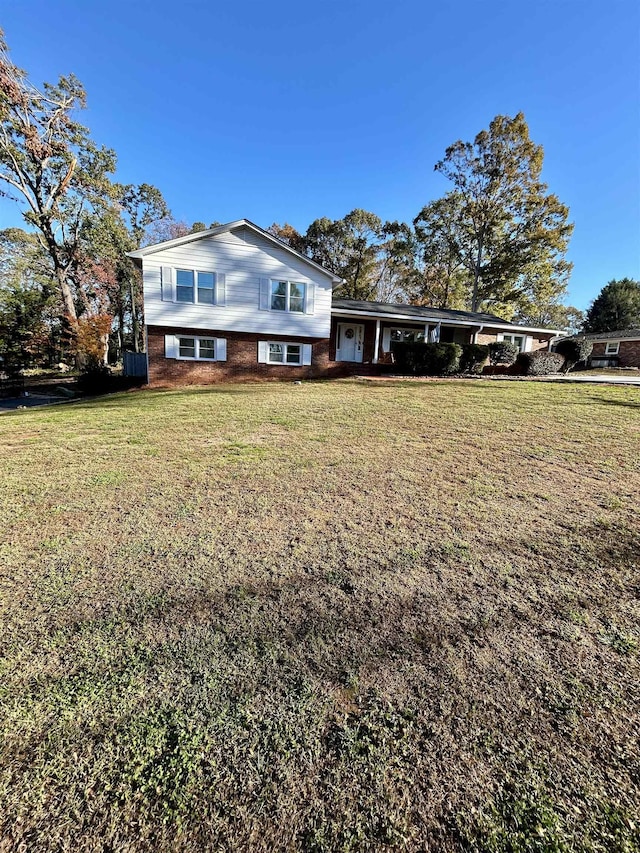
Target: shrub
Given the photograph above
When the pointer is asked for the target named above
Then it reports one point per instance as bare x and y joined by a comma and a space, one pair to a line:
420, 359
539, 363
574, 350
473, 358
502, 352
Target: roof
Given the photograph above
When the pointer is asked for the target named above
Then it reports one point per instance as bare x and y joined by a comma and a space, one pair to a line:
618, 335
222, 229
401, 311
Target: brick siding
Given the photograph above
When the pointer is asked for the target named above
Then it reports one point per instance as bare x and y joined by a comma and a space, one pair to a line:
628, 354
242, 359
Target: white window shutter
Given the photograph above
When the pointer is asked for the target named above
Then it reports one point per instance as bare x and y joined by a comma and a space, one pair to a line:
309, 302
528, 343
167, 284
386, 340
265, 294
170, 346
499, 337
221, 289
221, 349
307, 353
262, 351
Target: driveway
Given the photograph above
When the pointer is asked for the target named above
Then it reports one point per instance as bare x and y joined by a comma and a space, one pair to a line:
10, 404
633, 379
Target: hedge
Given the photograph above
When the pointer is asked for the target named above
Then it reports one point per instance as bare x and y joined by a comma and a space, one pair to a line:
539, 363
574, 350
423, 359
502, 352
473, 357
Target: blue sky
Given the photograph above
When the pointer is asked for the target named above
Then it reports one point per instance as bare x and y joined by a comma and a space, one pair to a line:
290, 111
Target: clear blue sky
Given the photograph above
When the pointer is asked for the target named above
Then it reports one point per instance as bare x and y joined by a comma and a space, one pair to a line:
290, 111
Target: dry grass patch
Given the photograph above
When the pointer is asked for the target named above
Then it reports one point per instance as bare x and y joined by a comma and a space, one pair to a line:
329, 617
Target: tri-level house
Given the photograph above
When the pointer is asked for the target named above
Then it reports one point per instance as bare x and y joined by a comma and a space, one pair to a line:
234, 302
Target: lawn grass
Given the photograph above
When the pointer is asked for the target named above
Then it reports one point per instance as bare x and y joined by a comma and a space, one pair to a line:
341, 616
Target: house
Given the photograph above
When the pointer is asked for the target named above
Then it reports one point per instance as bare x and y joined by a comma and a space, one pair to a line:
615, 349
234, 302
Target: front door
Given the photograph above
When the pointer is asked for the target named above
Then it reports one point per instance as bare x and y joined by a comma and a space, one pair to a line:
349, 342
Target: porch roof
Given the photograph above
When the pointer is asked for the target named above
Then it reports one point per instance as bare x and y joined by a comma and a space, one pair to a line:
425, 314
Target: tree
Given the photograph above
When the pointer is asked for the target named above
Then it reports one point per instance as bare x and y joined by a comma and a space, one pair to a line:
617, 306
361, 249
27, 304
439, 278
505, 222
288, 234
49, 163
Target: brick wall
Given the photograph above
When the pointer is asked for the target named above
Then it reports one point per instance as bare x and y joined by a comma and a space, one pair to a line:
241, 364
536, 343
628, 354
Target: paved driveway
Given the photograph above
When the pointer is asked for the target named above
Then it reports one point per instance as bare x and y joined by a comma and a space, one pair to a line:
633, 379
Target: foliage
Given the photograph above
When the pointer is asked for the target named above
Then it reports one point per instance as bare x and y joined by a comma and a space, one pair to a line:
473, 357
502, 352
575, 351
50, 161
505, 226
84, 222
90, 340
426, 359
440, 278
289, 235
616, 307
538, 363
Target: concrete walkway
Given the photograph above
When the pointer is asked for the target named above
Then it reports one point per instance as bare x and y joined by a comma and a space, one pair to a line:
633, 379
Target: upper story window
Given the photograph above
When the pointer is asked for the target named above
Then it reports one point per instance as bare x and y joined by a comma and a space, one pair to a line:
196, 286
288, 296
407, 335
612, 348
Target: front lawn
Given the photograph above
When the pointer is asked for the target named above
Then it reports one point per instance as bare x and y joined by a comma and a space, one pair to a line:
339, 616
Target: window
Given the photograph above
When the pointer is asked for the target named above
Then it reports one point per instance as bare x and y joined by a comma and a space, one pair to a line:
195, 286
284, 353
407, 335
200, 349
184, 285
516, 340
612, 348
288, 296
206, 288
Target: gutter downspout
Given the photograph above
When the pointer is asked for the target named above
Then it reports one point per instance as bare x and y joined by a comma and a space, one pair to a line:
376, 346
475, 334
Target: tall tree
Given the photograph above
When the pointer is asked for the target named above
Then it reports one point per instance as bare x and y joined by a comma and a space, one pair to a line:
49, 163
27, 301
507, 221
289, 235
617, 306
440, 247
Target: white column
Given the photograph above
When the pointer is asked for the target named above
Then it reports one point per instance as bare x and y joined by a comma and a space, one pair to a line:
376, 346
426, 333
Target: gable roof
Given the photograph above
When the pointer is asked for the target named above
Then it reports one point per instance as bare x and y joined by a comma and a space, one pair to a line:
223, 229
424, 312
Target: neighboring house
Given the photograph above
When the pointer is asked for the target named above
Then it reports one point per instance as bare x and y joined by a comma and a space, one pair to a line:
615, 349
234, 302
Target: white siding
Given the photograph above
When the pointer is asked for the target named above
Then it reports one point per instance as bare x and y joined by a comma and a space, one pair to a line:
243, 257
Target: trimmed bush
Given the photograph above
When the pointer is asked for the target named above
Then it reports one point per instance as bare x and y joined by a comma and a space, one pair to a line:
540, 363
420, 359
502, 352
473, 358
575, 351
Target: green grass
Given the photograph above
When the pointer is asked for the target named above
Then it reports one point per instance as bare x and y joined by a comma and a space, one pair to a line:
339, 616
